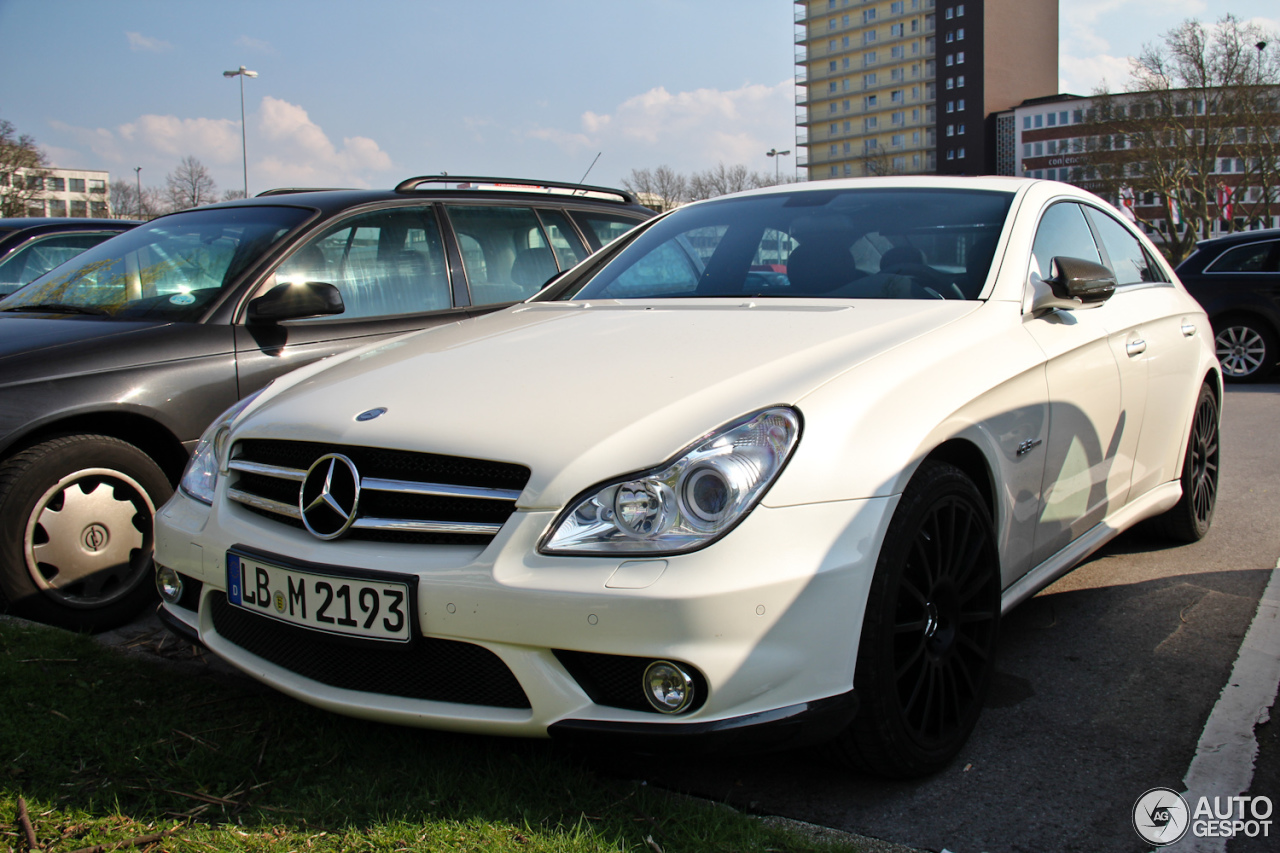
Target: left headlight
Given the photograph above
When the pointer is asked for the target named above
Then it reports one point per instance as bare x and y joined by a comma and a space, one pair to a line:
210, 458
686, 503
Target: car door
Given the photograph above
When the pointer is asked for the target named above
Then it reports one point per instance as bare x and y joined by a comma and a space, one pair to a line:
1084, 469
391, 269
1154, 338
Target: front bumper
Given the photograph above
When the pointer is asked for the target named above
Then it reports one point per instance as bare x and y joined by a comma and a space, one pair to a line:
769, 617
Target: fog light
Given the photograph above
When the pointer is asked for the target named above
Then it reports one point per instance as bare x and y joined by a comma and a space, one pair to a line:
169, 583
668, 688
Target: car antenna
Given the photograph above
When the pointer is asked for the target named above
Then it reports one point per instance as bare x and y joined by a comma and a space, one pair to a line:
589, 168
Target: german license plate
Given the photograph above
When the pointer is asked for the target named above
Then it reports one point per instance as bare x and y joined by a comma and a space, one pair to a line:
352, 606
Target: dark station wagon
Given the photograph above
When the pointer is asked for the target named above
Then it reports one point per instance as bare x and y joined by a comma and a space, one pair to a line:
112, 365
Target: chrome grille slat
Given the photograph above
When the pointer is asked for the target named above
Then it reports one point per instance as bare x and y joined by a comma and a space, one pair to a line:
410, 525
278, 471
443, 490
265, 504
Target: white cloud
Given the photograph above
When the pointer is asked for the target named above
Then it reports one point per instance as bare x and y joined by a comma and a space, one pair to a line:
689, 130
255, 45
137, 41
215, 140
1082, 75
301, 153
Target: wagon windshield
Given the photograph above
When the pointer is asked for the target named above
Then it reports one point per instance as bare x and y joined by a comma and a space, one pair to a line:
876, 243
170, 269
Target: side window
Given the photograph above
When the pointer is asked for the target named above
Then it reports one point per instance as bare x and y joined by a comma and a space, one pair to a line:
1062, 233
605, 227
564, 240
504, 251
384, 263
1129, 261
39, 256
1254, 257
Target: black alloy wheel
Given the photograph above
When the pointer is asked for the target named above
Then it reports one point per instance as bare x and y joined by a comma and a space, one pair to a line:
1190, 518
928, 639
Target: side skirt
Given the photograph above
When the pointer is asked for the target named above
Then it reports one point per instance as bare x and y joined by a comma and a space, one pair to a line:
1154, 502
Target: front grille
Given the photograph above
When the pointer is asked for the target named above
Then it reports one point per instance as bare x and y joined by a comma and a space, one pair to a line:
405, 497
618, 680
426, 668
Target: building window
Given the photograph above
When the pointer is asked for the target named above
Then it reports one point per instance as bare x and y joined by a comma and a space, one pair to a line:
951, 130
960, 104
831, 66
951, 106
959, 130
98, 209
834, 173
868, 80
57, 207
915, 28
36, 208
831, 152
848, 169
899, 164
868, 15
834, 128
896, 75
831, 87
1039, 121
950, 60
1077, 116
1026, 122
1039, 149
869, 123
896, 31
896, 52
831, 107
960, 10
899, 118
915, 137
869, 102
1026, 149
79, 209
844, 41
1053, 119
848, 148
1062, 117
55, 185
951, 83
897, 7
959, 81
950, 13
831, 24
869, 37
960, 57
870, 145
97, 186
960, 154
960, 34
844, 105
844, 20
844, 63
951, 155
868, 58
847, 127
35, 182
896, 96
897, 140
951, 37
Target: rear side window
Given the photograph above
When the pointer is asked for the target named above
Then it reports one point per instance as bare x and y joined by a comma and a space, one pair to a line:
505, 252
604, 227
1253, 257
1129, 261
43, 254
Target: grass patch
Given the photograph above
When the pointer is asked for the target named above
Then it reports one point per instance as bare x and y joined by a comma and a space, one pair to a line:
105, 749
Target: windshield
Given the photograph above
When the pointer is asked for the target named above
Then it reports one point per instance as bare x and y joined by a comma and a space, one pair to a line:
169, 269
881, 243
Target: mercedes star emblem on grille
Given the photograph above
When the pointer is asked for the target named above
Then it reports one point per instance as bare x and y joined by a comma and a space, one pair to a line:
329, 496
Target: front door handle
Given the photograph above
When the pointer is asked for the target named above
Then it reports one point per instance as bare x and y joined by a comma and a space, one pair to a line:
1137, 347
1188, 329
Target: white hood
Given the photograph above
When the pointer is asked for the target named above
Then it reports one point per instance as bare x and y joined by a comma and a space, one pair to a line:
581, 392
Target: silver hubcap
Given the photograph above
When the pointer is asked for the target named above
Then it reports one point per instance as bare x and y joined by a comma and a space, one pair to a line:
86, 540
1241, 350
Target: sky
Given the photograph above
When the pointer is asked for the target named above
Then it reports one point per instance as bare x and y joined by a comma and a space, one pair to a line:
365, 93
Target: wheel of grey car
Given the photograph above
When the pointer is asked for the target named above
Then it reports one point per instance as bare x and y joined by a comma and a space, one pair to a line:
1246, 348
76, 531
928, 638
1190, 518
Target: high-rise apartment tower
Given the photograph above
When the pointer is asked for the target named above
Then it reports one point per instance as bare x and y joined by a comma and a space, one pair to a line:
890, 87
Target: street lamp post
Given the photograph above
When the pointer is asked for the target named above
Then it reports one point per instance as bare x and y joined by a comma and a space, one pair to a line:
242, 73
775, 154
137, 173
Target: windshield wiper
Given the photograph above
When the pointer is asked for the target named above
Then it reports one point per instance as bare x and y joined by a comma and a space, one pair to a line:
56, 308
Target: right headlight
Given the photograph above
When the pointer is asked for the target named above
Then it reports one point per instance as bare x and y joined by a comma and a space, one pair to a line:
210, 458
686, 503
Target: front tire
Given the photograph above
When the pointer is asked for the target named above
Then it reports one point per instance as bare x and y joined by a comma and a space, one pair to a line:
1191, 516
77, 515
928, 638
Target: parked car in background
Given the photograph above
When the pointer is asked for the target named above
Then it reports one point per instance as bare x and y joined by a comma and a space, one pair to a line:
30, 247
1237, 280
771, 466
111, 366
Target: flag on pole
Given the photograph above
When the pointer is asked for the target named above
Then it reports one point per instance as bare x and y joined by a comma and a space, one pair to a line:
1225, 202
1175, 212
1126, 203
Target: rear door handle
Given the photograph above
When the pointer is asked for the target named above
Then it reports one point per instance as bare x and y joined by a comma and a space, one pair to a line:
1188, 329
1137, 347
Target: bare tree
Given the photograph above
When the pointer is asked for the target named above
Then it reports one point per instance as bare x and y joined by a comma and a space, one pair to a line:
661, 189
1199, 121
232, 195
22, 171
126, 203
190, 185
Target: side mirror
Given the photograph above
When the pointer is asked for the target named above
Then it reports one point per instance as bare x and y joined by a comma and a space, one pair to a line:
1076, 283
291, 301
